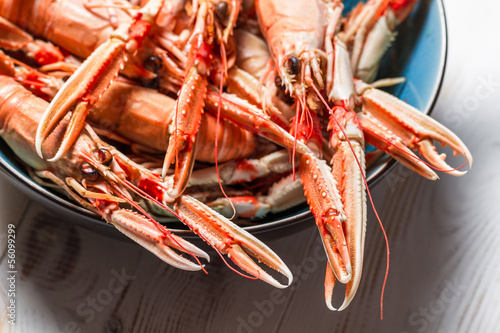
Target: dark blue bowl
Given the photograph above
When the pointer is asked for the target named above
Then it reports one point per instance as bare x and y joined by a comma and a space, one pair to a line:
418, 54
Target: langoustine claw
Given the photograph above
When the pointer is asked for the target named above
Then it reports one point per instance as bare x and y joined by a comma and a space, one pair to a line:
394, 126
349, 172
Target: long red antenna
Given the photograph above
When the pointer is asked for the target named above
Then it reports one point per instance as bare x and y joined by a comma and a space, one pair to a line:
219, 105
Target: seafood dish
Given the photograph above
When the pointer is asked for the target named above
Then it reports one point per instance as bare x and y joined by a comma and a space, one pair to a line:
214, 113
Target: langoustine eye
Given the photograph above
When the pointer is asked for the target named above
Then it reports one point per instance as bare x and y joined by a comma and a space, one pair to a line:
89, 172
104, 156
153, 64
222, 12
293, 64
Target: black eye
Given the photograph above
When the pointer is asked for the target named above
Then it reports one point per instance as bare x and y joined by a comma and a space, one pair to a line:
222, 11
293, 64
89, 172
104, 156
153, 64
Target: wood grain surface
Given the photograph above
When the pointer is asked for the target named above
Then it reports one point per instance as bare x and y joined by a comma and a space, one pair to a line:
444, 237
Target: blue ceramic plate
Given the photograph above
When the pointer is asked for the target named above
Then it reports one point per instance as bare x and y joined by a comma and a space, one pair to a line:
418, 54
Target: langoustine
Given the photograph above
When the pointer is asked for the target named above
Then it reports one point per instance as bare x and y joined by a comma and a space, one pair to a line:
312, 62
102, 179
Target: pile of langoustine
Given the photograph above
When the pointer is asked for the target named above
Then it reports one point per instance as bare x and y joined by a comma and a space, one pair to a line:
274, 89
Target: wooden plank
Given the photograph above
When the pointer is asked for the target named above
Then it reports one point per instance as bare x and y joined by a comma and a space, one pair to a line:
167, 300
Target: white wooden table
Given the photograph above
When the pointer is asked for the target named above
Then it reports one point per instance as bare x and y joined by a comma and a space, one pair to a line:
443, 236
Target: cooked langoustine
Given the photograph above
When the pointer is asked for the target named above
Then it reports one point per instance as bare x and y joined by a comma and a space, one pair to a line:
307, 52
102, 179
